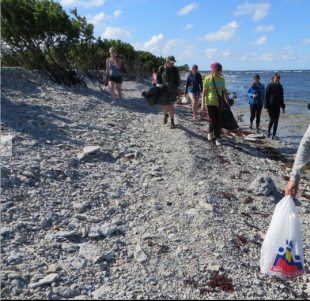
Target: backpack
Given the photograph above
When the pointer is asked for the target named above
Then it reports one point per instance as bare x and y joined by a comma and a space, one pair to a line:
175, 75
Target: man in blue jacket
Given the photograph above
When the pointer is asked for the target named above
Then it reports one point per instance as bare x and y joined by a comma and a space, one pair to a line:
256, 93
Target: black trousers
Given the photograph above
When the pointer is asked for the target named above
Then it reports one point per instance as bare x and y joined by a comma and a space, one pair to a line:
274, 115
256, 111
215, 117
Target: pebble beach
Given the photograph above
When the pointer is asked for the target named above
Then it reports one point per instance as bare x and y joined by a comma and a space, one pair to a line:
104, 202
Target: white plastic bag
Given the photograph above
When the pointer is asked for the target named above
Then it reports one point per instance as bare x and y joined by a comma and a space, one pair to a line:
185, 100
281, 253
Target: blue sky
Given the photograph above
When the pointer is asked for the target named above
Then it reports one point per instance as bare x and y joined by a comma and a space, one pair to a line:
241, 35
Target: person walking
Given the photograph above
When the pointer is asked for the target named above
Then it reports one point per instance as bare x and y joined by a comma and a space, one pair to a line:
154, 76
301, 160
212, 83
113, 75
195, 86
274, 101
256, 92
169, 76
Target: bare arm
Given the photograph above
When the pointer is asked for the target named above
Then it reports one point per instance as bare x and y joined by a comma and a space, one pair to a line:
204, 92
226, 96
107, 68
118, 63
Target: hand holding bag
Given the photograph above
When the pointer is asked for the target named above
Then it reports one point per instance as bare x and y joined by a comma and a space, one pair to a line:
221, 102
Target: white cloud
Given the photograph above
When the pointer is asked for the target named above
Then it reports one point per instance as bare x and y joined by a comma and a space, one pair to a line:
258, 10
225, 33
261, 41
158, 46
97, 19
186, 9
227, 54
272, 55
189, 26
211, 52
264, 28
115, 33
154, 43
82, 3
117, 13
305, 41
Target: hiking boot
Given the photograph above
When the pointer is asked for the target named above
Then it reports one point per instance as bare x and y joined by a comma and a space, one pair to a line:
172, 125
274, 137
268, 136
217, 142
251, 126
210, 137
166, 118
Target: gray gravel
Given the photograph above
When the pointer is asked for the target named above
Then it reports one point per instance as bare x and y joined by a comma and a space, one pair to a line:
105, 202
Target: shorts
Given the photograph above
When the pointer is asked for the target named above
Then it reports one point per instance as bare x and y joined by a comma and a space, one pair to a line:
195, 93
116, 79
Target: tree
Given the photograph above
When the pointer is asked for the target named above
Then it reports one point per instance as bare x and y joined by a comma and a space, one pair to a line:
40, 35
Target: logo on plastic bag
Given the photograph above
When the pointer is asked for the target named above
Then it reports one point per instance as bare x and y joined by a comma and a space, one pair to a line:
285, 264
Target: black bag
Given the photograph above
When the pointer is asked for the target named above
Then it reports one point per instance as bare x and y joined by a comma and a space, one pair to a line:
228, 121
152, 94
221, 102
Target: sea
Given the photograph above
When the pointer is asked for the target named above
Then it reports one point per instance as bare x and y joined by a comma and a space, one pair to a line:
296, 83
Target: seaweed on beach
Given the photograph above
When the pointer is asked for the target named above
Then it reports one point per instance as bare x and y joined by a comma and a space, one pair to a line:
248, 200
163, 249
191, 282
227, 195
222, 282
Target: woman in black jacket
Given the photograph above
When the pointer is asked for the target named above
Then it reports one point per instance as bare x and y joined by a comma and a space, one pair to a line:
274, 101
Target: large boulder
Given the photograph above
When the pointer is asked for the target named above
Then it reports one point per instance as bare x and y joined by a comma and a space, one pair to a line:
263, 185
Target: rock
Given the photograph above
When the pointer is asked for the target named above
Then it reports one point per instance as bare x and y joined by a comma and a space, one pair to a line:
140, 256
81, 156
93, 252
206, 206
250, 139
64, 234
87, 150
102, 229
64, 292
14, 256
46, 280
101, 291
6, 230
75, 263
263, 185
214, 268
192, 211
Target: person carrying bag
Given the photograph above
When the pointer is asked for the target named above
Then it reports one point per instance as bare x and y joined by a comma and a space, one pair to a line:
214, 101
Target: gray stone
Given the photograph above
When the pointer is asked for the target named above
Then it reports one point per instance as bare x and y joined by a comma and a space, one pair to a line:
102, 229
80, 156
65, 234
206, 206
64, 292
87, 150
46, 280
14, 256
75, 263
140, 256
92, 252
263, 185
101, 291
6, 230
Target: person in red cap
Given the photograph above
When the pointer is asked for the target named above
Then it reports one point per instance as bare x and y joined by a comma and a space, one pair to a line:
194, 85
212, 83
169, 76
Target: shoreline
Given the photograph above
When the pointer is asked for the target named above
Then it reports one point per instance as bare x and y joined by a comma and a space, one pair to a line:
148, 213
